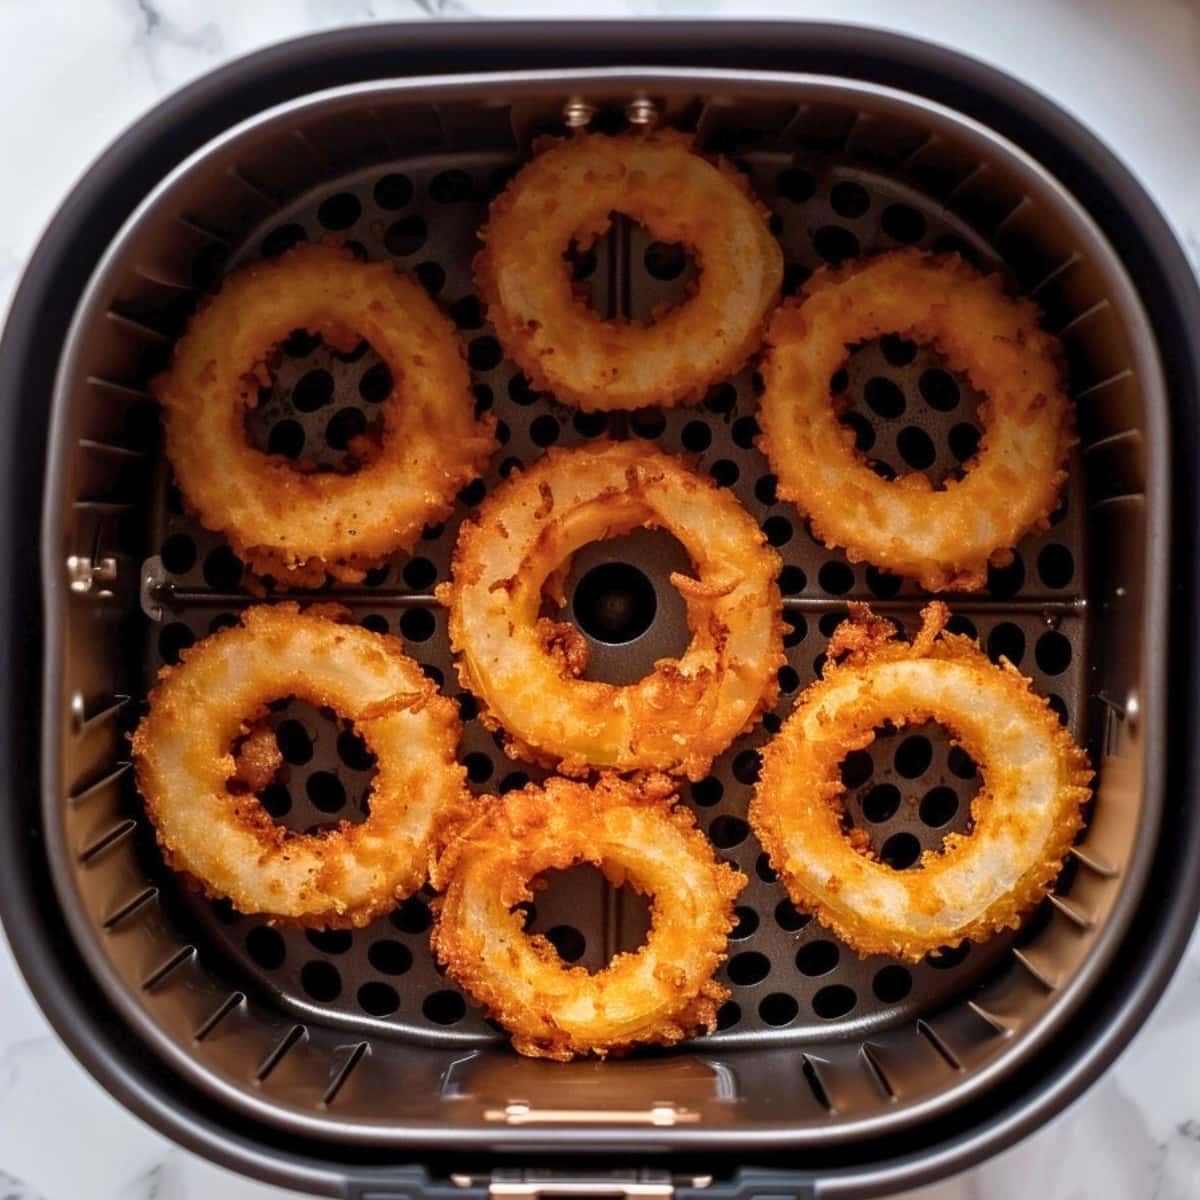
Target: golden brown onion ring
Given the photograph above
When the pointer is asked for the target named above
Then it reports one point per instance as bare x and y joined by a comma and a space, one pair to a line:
298, 525
226, 840
943, 538
1034, 781
568, 193
524, 669
662, 992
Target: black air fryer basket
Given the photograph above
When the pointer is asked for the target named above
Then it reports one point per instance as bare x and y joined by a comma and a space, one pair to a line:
343, 1062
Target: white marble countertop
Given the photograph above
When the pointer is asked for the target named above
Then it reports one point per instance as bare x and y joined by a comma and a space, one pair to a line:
76, 72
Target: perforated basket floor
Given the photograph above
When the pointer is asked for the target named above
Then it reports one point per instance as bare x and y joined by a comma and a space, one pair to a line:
790, 979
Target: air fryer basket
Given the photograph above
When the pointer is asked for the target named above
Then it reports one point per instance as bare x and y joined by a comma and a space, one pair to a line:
353, 1040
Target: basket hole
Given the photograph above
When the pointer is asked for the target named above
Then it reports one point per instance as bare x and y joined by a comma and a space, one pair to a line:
444, 1008
666, 260
746, 766
1006, 640
961, 763
330, 941
817, 958
543, 431
728, 1015
1059, 707
962, 625
223, 569
173, 640
835, 578
378, 999
834, 1001
590, 424
915, 446
417, 624
900, 851
570, 944
390, 957
451, 187
913, 756
512, 782
938, 807
282, 239
744, 431
789, 680
696, 437
884, 397
707, 792
748, 968
897, 351
1006, 581
614, 603
721, 399
393, 191
728, 831
882, 583
792, 580
881, 803
266, 947
778, 1009
796, 185
648, 422
795, 276
521, 391
276, 799
484, 353
353, 751
1053, 653
344, 426
795, 628
321, 980
745, 923
340, 211
856, 768
835, 244
764, 870
582, 262
892, 984
778, 531
412, 916
789, 918
963, 440
948, 957
406, 236
419, 574
939, 389
849, 199
286, 438
724, 472
325, 792
294, 742
376, 623
467, 313
479, 767
178, 554
903, 224
1055, 565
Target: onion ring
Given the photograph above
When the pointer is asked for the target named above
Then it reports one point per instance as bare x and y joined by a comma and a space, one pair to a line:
226, 840
662, 992
1035, 780
568, 193
524, 669
293, 524
942, 538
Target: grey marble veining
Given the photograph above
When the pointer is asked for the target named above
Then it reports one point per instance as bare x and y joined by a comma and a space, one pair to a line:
76, 72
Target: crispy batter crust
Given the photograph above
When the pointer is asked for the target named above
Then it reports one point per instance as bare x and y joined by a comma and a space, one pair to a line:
943, 538
568, 193
1035, 780
524, 670
298, 525
661, 993
226, 840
